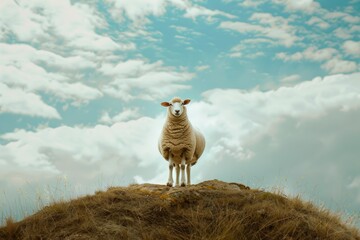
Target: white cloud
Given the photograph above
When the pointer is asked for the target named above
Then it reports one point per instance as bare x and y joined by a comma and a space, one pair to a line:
238, 48
311, 53
202, 68
355, 28
275, 28
241, 27
255, 55
256, 111
100, 150
251, 3
44, 22
302, 156
249, 48
352, 48
126, 115
183, 39
235, 55
18, 101
22, 22
318, 22
342, 33
23, 66
347, 33
39, 72
343, 16
137, 10
337, 65
137, 79
256, 41
321, 94
195, 11
307, 6
11, 53
290, 78
239, 54
185, 30
333, 63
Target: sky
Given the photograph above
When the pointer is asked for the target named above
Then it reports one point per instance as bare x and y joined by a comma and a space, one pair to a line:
275, 89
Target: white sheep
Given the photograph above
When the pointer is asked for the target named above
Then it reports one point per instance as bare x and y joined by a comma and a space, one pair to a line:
180, 144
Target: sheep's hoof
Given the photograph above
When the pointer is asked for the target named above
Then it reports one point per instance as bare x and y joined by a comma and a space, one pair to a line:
169, 184
183, 185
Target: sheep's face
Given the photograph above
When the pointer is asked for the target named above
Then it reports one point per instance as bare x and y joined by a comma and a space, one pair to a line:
176, 106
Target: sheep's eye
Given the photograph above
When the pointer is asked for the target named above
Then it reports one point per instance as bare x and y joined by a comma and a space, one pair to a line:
170, 104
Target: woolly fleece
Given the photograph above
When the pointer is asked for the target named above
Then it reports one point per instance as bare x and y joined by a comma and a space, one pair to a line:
179, 138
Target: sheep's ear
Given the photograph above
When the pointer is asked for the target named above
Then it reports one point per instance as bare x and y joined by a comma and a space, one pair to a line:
165, 104
186, 101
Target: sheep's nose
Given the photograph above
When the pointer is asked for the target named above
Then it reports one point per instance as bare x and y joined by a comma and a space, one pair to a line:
177, 111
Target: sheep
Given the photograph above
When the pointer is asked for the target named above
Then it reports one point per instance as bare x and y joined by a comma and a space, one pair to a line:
179, 143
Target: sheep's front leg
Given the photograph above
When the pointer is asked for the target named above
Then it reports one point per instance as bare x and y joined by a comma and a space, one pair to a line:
183, 172
171, 166
188, 168
177, 168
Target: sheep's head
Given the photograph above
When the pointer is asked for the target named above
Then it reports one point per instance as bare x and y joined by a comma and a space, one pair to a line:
176, 106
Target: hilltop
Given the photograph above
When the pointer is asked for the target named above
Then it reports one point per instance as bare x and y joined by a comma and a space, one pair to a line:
208, 210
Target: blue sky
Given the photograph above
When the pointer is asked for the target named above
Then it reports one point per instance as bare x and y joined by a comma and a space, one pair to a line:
275, 88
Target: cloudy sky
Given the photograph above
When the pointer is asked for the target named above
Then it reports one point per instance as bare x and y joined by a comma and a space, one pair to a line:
275, 88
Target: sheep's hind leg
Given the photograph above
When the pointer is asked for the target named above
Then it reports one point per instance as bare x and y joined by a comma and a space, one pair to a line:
170, 180
188, 168
177, 168
183, 173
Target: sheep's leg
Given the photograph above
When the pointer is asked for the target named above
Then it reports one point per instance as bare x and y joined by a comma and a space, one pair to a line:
177, 167
183, 172
171, 166
188, 168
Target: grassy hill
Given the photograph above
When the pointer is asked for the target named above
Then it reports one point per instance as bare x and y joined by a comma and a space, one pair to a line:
209, 210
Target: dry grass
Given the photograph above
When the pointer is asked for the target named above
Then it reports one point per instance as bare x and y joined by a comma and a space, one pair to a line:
209, 210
